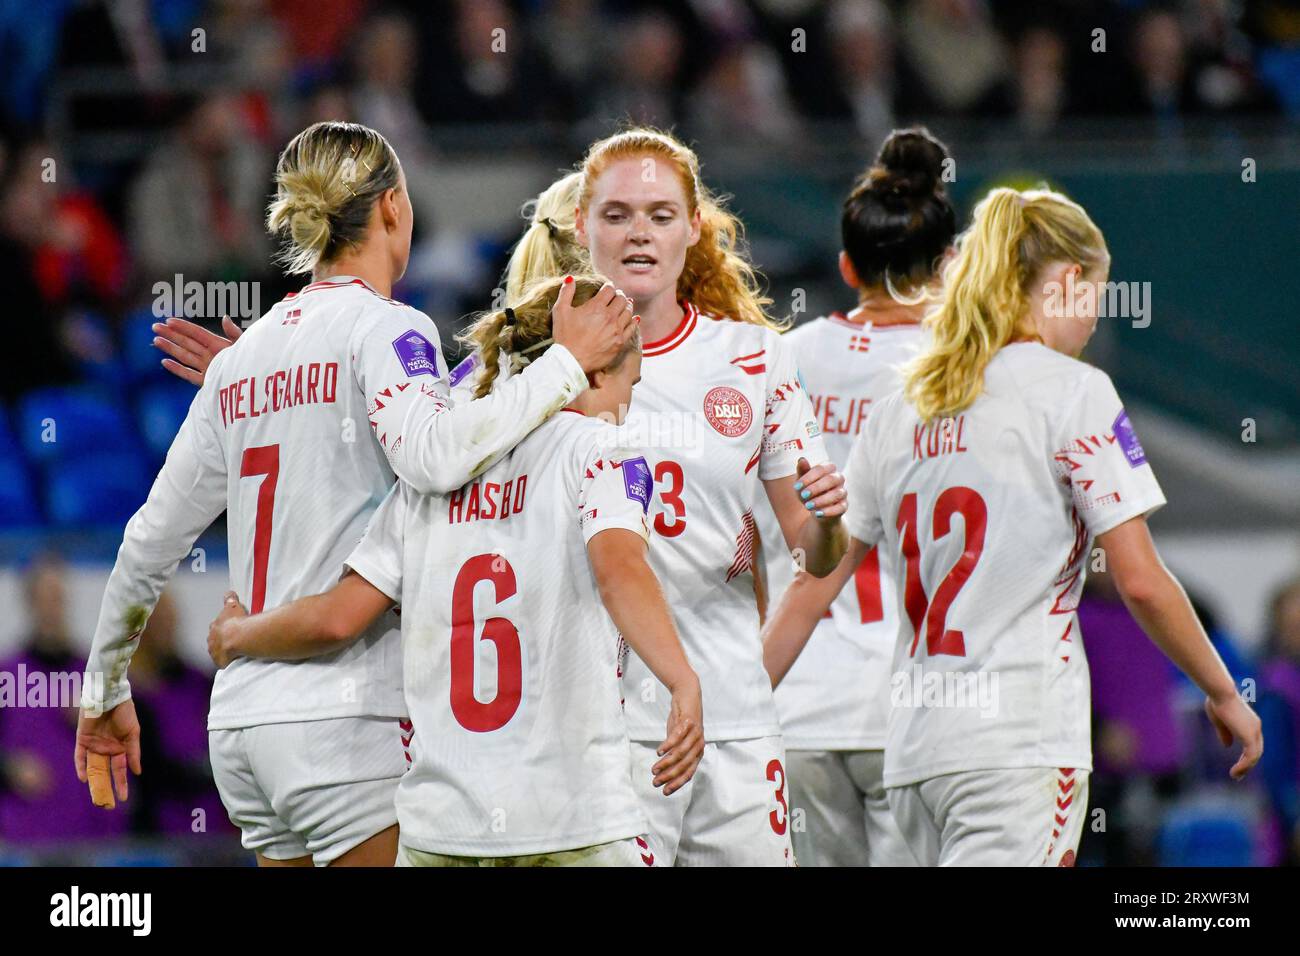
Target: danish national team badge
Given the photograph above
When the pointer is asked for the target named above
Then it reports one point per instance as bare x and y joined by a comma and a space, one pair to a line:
1128, 440
637, 481
728, 411
416, 353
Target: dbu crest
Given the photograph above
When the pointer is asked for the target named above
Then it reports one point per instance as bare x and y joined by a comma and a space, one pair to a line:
728, 411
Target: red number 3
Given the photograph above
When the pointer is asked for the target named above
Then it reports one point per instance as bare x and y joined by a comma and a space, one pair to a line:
779, 817
670, 493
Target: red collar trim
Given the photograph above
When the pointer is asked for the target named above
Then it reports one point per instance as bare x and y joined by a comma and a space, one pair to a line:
339, 284
678, 335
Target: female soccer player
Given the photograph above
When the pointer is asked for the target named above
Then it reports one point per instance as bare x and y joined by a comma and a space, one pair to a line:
721, 403
520, 754
896, 225
297, 432
986, 478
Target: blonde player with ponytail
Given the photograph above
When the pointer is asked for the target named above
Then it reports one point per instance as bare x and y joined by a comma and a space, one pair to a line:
546, 553
297, 433
988, 477
547, 249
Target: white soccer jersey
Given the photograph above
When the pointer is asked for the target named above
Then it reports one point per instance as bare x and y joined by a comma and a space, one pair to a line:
510, 657
296, 432
721, 405
833, 697
990, 516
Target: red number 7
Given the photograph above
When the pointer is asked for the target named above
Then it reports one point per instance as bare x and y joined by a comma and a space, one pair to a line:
264, 460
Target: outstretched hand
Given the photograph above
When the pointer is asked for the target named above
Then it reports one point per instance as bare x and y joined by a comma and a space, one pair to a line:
191, 346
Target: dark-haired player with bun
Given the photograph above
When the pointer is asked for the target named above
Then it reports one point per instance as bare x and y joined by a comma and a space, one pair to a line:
896, 226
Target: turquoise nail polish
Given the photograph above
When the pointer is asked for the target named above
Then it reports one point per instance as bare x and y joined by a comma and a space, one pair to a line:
798, 486
819, 514
805, 495
808, 505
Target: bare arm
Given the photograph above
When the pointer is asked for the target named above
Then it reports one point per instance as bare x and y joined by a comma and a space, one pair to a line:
808, 506
1158, 603
804, 604
631, 593
303, 628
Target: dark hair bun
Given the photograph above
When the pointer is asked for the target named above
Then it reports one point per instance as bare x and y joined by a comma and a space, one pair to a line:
909, 164
898, 220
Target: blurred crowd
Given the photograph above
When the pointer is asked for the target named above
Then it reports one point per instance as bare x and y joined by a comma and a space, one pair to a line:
42, 803
137, 141
137, 137
1160, 773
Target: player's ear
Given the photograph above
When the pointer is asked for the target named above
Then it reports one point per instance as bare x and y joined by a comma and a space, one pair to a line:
580, 226
597, 379
388, 208
847, 272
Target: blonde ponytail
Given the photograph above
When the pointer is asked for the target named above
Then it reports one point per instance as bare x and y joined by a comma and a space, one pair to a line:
327, 181
549, 246
985, 302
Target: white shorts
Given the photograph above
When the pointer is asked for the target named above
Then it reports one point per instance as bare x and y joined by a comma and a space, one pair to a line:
839, 813
634, 851
1024, 817
733, 812
315, 788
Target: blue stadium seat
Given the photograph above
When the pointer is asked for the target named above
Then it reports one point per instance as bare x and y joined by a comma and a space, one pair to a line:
143, 362
99, 488
62, 423
1205, 836
105, 370
18, 505
160, 409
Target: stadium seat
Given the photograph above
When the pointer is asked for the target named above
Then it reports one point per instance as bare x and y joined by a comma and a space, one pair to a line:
100, 488
18, 505
143, 362
160, 409
56, 423
1200, 835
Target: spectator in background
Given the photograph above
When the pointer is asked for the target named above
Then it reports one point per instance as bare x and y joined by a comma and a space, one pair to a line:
254, 50
198, 206
862, 45
39, 327
1279, 709
575, 35
78, 255
41, 799
171, 702
1039, 89
742, 98
1159, 61
488, 72
955, 54
320, 29
384, 63
643, 86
